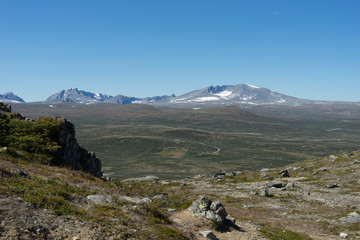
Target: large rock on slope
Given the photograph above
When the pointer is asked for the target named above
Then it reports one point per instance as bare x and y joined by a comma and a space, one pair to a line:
204, 207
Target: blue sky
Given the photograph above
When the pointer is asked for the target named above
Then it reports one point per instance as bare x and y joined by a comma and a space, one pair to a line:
306, 49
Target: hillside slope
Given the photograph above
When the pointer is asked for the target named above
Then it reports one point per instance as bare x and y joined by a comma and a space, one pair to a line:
318, 199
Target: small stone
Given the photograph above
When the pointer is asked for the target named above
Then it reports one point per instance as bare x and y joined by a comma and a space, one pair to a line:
209, 234
357, 161
230, 174
147, 178
161, 196
264, 192
343, 235
284, 173
21, 173
171, 209
331, 185
219, 173
3, 149
254, 192
276, 184
264, 170
248, 206
146, 200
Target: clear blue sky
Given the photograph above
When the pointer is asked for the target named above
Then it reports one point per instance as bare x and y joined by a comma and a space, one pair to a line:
307, 49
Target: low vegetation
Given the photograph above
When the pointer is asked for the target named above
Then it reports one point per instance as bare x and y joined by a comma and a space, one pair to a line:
35, 140
137, 140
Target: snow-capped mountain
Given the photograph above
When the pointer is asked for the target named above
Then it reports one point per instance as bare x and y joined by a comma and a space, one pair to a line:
10, 98
79, 96
234, 94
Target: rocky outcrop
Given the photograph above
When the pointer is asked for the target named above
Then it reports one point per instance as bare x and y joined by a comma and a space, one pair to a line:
71, 154
5, 107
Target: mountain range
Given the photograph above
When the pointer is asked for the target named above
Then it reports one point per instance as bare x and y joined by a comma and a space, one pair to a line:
209, 96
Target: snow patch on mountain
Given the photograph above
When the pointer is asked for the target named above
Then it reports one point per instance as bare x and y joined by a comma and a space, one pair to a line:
203, 99
252, 86
224, 94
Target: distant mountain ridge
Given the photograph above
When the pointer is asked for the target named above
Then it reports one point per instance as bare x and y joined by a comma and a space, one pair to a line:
209, 96
79, 96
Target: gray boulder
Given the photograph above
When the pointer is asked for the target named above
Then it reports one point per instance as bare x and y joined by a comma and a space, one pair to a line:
135, 200
264, 192
351, 218
205, 208
101, 199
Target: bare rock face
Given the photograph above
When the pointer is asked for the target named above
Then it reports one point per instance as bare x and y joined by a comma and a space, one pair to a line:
71, 154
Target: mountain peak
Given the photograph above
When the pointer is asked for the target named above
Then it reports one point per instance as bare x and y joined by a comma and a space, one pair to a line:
10, 97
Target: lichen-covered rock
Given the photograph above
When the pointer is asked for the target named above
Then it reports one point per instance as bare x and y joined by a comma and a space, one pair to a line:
204, 207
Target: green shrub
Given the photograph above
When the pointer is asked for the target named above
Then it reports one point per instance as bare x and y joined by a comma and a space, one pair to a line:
281, 234
169, 233
47, 194
37, 139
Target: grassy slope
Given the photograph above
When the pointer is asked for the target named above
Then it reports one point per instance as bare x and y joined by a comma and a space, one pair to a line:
132, 140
